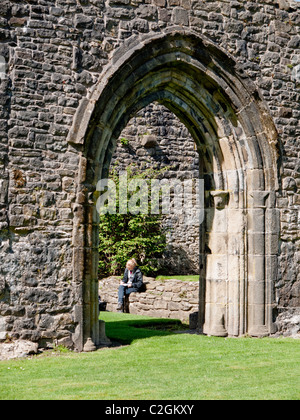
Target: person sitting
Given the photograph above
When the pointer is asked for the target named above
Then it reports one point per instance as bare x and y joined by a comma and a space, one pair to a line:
132, 282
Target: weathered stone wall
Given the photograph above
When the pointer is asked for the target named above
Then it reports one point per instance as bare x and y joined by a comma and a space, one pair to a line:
55, 52
163, 299
155, 138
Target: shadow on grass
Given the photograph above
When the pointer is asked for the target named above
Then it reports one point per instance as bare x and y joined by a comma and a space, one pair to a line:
125, 331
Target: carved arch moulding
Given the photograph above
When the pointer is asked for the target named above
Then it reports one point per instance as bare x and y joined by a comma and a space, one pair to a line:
237, 143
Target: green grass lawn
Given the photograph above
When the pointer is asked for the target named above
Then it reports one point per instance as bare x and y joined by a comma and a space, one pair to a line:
159, 364
182, 278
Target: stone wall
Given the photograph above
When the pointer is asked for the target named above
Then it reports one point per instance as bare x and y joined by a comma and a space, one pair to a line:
55, 53
163, 299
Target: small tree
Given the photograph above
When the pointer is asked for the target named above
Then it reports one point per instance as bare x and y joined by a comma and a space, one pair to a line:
125, 236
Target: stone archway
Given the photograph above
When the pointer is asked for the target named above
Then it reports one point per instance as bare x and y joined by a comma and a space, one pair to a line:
237, 142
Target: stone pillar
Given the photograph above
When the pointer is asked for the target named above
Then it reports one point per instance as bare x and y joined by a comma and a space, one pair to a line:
202, 280
217, 267
91, 305
257, 298
272, 217
236, 272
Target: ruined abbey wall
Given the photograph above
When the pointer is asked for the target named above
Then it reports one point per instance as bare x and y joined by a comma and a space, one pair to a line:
55, 52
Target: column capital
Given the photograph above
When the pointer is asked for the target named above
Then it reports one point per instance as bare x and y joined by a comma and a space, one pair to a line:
259, 198
220, 198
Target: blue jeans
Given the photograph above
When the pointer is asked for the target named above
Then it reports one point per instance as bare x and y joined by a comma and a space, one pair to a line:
124, 291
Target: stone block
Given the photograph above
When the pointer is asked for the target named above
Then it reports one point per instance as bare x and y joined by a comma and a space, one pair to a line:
214, 320
218, 242
256, 220
180, 16
255, 179
3, 329
149, 141
160, 304
229, 162
273, 221
234, 271
83, 22
160, 3
217, 267
186, 4
236, 220
164, 15
271, 244
256, 267
235, 244
255, 294
173, 306
272, 271
256, 243
217, 221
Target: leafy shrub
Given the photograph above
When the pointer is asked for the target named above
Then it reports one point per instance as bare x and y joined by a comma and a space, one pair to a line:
125, 236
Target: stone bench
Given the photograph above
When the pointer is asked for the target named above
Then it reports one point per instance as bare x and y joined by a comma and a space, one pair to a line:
162, 299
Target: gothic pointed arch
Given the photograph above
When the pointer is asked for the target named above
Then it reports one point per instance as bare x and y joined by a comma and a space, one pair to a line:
237, 143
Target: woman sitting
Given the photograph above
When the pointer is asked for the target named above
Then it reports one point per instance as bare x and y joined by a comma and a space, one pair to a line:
132, 282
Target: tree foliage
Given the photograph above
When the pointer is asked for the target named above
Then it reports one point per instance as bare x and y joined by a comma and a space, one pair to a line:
125, 236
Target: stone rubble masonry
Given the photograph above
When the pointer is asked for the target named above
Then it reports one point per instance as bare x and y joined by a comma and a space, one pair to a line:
170, 298
55, 52
17, 349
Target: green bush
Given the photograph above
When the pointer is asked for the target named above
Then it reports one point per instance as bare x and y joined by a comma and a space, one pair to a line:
125, 236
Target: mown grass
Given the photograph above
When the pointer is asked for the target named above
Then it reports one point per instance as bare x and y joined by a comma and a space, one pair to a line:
159, 364
182, 278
